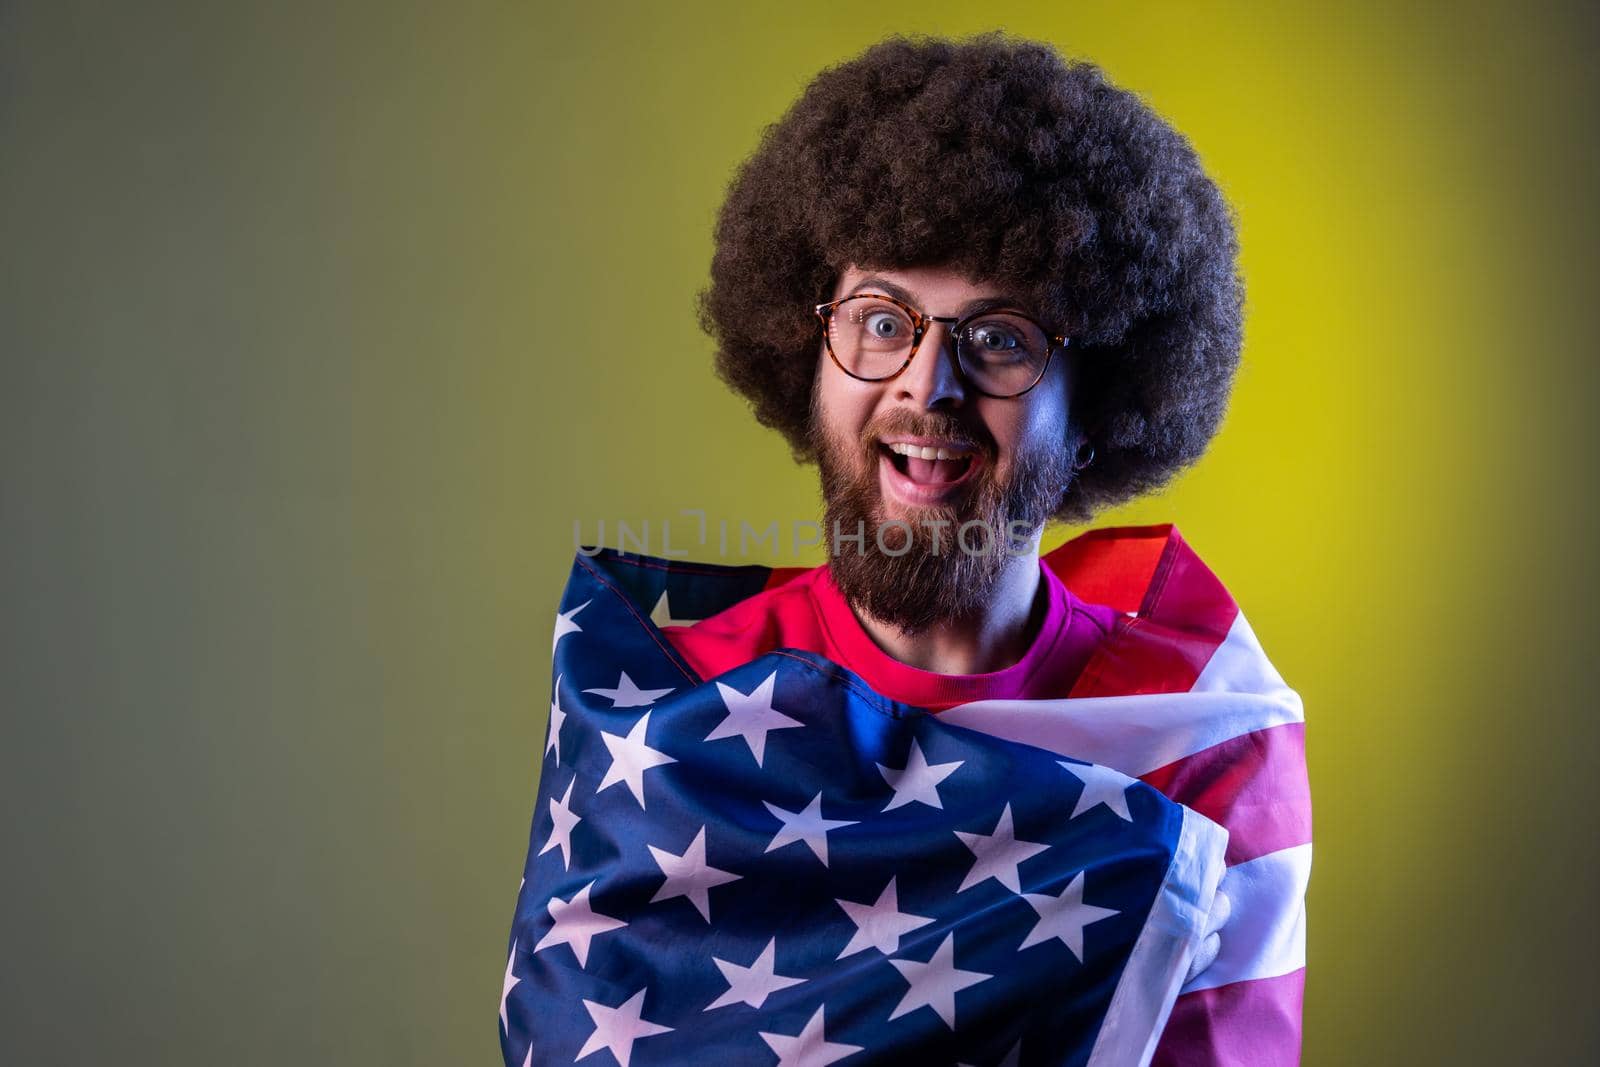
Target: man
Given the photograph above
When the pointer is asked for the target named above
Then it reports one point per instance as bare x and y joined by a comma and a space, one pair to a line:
982, 289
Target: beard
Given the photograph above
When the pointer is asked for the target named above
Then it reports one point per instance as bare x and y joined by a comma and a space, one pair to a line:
939, 576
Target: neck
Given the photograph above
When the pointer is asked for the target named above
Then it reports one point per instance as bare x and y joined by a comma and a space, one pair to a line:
992, 641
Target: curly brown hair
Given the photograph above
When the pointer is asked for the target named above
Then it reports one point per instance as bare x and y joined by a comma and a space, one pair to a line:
996, 157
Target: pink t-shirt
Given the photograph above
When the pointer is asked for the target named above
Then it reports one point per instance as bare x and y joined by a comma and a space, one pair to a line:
809, 612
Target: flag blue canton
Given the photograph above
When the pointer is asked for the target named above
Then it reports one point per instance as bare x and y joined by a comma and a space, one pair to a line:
780, 865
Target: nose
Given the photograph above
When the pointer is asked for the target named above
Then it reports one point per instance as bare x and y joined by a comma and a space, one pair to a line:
932, 378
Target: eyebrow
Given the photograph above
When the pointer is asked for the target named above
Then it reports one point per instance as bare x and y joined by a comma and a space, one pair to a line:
984, 303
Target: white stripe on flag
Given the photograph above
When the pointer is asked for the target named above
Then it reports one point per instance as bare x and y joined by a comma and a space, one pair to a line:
1265, 934
1239, 665
1153, 975
1238, 691
1131, 734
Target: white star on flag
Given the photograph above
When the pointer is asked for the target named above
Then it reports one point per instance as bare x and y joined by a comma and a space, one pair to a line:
1063, 917
751, 716
576, 924
998, 854
917, 782
616, 1029
879, 925
505, 988
689, 876
563, 821
565, 625
558, 719
809, 1048
630, 758
807, 825
629, 695
1101, 785
935, 984
753, 984
661, 614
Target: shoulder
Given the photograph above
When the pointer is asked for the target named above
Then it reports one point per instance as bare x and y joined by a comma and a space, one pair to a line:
1149, 571
1240, 758
1085, 618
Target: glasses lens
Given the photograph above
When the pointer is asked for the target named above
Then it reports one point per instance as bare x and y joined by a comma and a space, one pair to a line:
1003, 353
870, 336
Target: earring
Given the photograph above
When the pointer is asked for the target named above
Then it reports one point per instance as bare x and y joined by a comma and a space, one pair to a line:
1082, 462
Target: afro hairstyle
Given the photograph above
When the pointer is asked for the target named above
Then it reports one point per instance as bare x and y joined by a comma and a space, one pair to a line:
996, 157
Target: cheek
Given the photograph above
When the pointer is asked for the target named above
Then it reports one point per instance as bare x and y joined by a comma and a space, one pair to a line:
1047, 417
1048, 429
846, 404
1031, 429
837, 410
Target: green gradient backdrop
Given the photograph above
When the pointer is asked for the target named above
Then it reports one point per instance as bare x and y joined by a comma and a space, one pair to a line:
320, 327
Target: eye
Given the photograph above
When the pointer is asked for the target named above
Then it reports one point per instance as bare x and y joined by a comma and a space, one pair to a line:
996, 341
883, 325
874, 323
994, 337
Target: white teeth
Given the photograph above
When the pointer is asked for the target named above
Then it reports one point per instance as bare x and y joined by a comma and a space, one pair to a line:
919, 452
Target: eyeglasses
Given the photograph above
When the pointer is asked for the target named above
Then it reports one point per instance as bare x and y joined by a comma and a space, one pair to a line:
873, 338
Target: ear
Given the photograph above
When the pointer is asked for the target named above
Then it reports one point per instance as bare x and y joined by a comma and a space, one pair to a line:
1082, 436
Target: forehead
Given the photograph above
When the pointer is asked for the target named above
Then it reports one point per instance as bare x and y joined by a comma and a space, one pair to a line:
939, 290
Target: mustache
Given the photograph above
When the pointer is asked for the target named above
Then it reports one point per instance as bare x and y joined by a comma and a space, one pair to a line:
914, 424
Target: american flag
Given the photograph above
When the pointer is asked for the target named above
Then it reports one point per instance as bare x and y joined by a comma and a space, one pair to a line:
779, 865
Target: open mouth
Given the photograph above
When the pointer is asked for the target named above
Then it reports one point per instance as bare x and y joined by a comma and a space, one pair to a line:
931, 467
918, 476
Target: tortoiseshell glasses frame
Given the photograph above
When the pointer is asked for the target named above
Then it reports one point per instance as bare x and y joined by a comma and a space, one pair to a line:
920, 323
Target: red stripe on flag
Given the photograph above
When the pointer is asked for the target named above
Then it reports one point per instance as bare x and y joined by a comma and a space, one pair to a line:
1112, 565
1255, 1022
1185, 612
1140, 657
1254, 785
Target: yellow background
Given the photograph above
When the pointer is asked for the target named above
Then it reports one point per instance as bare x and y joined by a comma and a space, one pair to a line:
321, 324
